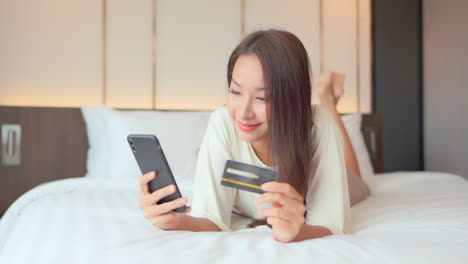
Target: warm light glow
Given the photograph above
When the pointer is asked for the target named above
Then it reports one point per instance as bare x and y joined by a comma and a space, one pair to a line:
74, 99
345, 106
188, 104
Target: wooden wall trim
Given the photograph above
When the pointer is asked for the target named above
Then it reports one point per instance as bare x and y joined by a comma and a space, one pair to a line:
372, 131
54, 146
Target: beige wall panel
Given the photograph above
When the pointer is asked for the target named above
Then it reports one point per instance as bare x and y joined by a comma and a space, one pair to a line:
194, 40
50, 52
301, 17
129, 55
365, 56
340, 47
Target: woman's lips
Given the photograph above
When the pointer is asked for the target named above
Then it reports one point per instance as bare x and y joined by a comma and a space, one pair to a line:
247, 127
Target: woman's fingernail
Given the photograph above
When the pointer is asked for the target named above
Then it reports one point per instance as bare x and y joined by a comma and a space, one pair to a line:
264, 186
182, 201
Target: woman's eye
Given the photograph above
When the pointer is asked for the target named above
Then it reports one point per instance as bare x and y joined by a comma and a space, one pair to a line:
233, 92
261, 98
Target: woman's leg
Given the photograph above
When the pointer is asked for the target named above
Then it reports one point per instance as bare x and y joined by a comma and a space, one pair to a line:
329, 93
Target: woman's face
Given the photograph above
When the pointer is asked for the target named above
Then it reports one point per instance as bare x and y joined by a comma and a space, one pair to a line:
246, 99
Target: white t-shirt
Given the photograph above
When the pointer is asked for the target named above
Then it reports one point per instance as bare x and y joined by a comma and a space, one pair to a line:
327, 197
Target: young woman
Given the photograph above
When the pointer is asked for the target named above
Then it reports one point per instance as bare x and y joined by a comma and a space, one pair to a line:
268, 121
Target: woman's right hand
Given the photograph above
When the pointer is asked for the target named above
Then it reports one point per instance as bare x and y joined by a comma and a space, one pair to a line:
160, 215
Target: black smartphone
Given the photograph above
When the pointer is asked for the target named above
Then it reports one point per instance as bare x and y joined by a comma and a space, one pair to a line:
150, 157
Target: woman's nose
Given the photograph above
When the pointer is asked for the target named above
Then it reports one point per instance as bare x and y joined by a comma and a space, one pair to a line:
245, 111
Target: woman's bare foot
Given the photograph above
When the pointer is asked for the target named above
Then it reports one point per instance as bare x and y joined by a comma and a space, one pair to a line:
329, 88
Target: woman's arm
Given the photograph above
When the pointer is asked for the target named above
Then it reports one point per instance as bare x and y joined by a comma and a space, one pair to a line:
212, 203
196, 224
162, 216
287, 214
312, 231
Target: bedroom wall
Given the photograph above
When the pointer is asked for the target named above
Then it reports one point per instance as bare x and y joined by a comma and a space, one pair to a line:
165, 54
50, 52
446, 86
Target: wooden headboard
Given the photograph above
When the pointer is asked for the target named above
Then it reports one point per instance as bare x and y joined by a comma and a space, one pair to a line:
372, 130
54, 146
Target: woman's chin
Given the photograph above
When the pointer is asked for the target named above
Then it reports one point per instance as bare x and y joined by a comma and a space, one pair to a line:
246, 138
249, 137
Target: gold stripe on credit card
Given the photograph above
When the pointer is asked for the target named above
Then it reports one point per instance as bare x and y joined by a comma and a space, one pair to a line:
242, 173
247, 177
242, 183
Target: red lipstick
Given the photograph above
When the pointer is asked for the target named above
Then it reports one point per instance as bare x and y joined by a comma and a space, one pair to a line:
247, 127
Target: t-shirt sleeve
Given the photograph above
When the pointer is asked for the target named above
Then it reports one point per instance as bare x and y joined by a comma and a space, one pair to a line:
327, 197
211, 200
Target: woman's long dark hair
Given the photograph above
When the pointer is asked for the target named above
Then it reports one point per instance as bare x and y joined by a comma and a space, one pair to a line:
286, 72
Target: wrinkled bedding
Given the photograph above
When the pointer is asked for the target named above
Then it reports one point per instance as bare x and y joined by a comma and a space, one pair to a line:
410, 217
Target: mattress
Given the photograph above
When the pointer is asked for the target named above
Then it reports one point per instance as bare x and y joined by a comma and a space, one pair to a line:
410, 217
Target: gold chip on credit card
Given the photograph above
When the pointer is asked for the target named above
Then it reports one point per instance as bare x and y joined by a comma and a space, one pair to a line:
246, 177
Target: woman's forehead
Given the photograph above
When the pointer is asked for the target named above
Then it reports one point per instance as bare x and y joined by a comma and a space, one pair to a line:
248, 72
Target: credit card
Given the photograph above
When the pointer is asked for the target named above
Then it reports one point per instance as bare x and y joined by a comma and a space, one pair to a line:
246, 176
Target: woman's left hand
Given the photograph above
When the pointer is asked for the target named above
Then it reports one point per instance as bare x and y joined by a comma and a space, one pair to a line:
287, 214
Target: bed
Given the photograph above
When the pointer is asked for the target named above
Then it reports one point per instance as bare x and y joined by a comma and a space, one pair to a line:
410, 217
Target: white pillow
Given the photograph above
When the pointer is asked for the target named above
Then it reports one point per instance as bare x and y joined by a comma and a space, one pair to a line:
96, 163
180, 135
109, 155
352, 123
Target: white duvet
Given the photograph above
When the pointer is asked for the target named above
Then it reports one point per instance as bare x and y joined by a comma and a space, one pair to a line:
409, 218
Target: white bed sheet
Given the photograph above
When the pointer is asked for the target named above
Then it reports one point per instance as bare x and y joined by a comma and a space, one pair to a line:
410, 217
